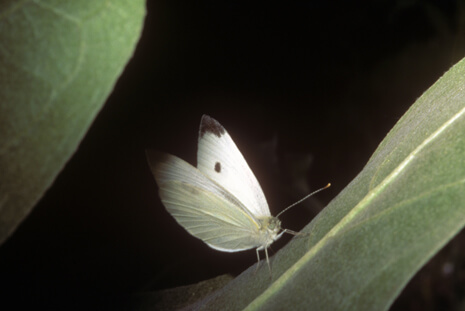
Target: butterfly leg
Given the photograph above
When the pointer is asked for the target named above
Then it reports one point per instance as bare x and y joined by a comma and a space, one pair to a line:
291, 232
268, 261
258, 260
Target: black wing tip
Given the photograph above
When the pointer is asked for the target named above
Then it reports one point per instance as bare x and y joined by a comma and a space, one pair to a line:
210, 125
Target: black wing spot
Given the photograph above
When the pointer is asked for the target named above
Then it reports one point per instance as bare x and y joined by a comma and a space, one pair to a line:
218, 167
210, 125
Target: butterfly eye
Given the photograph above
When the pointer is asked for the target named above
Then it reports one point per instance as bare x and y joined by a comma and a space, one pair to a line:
218, 167
274, 224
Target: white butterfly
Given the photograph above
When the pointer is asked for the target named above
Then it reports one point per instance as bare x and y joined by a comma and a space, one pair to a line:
220, 201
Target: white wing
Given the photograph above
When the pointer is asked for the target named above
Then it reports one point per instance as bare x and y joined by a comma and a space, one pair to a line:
219, 159
202, 207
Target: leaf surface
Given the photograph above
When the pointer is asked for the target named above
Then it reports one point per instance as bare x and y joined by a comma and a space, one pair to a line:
59, 60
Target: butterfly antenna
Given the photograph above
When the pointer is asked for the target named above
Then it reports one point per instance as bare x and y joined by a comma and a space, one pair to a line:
304, 198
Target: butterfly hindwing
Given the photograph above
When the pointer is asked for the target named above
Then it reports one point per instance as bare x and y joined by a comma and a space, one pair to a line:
220, 159
202, 207
209, 217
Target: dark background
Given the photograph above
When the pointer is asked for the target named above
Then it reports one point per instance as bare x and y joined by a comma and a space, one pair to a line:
309, 86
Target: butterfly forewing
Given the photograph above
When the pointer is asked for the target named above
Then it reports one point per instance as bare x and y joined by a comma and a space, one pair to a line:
220, 159
202, 207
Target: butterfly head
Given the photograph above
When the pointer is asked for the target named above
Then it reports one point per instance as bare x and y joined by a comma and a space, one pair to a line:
269, 229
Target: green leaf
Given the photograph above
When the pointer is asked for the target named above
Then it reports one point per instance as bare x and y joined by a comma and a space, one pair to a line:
59, 60
406, 204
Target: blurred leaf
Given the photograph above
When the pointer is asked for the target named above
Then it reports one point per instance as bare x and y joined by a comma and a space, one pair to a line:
173, 299
59, 60
406, 204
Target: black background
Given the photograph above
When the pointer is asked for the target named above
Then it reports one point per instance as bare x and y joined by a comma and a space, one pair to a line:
318, 80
